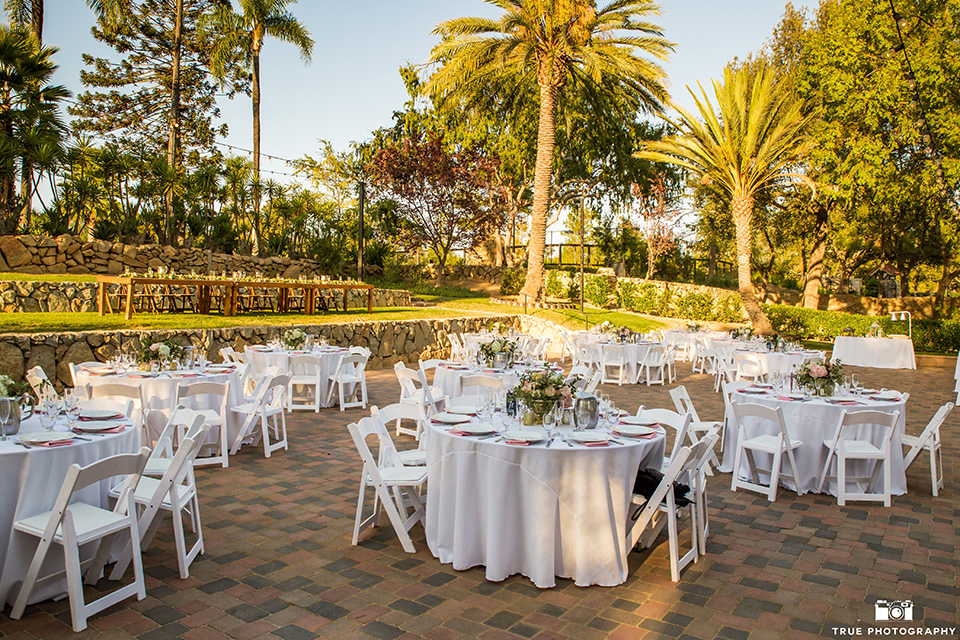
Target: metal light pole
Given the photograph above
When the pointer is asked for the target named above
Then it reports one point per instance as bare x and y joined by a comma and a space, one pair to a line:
363, 193
582, 205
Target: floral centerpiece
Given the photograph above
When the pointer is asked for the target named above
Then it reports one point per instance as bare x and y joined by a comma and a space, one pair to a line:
166, 350
293, 338
540, 391
12, 389
604, 327
500, 328
820, 377
694, 327
498, 349
624, 334
743, 333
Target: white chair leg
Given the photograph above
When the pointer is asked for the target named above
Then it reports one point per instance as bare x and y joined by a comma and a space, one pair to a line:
71, 560
841, 481
775, 475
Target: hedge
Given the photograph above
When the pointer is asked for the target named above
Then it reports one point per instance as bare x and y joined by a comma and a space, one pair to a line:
675, 303
928, 335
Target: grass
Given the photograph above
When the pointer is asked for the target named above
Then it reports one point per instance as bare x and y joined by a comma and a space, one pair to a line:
567, 318
46, 277
429, 292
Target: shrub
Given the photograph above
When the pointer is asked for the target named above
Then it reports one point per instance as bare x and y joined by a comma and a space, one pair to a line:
647, 299
554, 284
729, 309
596, 290
693, 306
928, 335
626, 294
512, 282
663, 303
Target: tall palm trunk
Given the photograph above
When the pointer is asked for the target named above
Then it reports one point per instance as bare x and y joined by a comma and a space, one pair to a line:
173, 140
255, 99
542, 181
742, 218
36, 19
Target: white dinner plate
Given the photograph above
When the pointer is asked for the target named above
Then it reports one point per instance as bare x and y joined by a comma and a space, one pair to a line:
634, 430
463, 409
793, 396
104, 425
635, 421
887, 395
477, 428
762, 385
588, 436
450, 418
45, 436
868, 392
755, 391
525, 435
99, 414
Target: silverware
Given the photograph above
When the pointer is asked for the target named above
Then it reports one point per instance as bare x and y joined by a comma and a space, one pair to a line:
615, 441
81, 438
492, 435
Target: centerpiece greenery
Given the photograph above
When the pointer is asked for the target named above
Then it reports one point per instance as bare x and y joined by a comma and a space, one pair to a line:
540, 391
604, 327
293, 338
166, 350
490, 350
9, 388
820, 377
624, 334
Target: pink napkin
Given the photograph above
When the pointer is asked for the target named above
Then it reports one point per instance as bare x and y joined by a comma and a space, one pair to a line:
654, 425
490, 371
604, 443
649, 436
138, 376
186, 375
786, 398
884, 398
52, 443
118, 429
845, 403
458, 432
113, 417
519, 443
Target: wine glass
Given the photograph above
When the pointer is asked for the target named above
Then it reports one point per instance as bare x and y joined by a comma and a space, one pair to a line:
71, 405
5, 409
550, 419
48, 415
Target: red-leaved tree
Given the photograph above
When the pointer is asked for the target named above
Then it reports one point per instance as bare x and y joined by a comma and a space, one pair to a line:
445, 195
657, 214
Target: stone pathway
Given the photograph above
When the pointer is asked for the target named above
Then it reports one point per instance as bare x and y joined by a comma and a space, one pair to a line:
279, 563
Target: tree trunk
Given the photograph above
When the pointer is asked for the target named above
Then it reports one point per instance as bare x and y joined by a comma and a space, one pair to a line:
255, 99
712, 260
26, 193
173, 138
814, 266
542, 179
742, 213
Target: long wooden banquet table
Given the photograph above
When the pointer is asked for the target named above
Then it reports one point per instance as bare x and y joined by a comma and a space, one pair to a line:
228, 289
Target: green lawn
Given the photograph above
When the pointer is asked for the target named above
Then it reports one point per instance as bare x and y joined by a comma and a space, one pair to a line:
568, 318
46, 277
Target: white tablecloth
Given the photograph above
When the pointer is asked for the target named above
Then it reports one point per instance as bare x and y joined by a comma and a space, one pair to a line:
772, 362
530, 510
260, 359
631, 356
812, 422
30, 481
956, 375
161, 392
879, 353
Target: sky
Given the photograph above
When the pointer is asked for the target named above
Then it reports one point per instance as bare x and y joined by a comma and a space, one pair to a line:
352, 86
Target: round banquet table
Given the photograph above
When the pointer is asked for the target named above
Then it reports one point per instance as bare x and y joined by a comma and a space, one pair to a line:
259, 358
541, 512
160, 391
772, 362
31, 479
449, 375
813, 421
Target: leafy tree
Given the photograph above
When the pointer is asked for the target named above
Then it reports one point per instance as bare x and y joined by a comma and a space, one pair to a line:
552, 43
442, 195
744, 149
28, 13
243, 32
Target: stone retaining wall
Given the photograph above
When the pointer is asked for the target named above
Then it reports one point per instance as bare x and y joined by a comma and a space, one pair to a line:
18, 296
389, 341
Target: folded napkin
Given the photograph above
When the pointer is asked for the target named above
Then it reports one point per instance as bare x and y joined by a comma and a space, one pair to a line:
887, 398
116, 416
603, 443
458, 432
52, 443
649, 436
787, 398
139, 376
652, 425
186, 375
845, 403
117, 429
519, 443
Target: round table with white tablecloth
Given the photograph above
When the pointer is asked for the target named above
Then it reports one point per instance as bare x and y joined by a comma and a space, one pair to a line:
160, 390
879, 353
259, 358
773, 362
31, 479
812, 421
448, 375
538, 510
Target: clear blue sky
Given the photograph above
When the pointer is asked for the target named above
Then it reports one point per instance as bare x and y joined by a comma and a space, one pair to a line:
352, 85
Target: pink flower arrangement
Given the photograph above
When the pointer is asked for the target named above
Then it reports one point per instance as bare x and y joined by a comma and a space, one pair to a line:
818, 371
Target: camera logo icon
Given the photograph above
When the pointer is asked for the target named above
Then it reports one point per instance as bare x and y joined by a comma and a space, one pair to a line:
893, 610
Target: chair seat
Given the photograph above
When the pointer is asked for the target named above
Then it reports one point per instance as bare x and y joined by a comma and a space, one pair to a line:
413, 457
403, 475
912, 441
304, 379
706, 425
210, 416
156, 466
858, 448
148, 486
245, 408
347, 378
768, 443
88, 520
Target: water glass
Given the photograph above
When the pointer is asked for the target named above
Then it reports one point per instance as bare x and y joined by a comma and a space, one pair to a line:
71, 405
48, 414
5, 411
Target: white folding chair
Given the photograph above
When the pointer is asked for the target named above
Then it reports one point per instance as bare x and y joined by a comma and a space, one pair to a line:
38, 380
678, 422
124, 398
578, 370
429, 368
478, 384
699, 428
415, 390
724, 368
457, 351
395, 485
199, 396
263, 415
748, 367
612, 364
774, 445
229, 354
181, 424
350, 380
72, 524
846, 447
304, 374
174, 492
699, 487
655, 365
594, 382
398, 413
84, 365
929, 441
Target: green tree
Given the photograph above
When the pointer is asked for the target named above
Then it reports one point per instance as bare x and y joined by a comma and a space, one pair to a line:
552, 43
28, 13
744, 148
244, 32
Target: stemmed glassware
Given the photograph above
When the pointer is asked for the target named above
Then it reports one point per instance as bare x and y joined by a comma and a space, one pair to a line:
71, 406
5, 410
550, 419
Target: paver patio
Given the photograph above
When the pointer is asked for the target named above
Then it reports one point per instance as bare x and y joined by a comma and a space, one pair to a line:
279, 563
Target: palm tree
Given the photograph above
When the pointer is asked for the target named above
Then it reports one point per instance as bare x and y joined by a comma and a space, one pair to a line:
245, 31
747, 148
552, 43
28, 13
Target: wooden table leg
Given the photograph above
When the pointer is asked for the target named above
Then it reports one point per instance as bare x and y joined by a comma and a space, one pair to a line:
344, 298
102, 298
129, 309
230, 308
311, 295
369, 300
